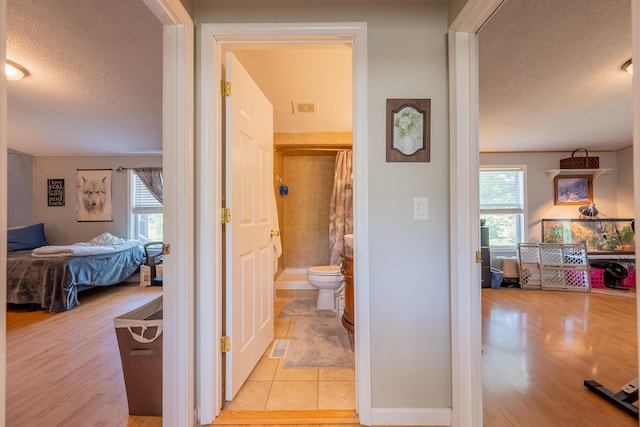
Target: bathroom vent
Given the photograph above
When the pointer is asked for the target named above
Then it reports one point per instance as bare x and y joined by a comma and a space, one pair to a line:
279, 349
304, 107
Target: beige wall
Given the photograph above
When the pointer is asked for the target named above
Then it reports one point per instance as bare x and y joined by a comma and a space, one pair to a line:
61, 226
612, 198
408, 260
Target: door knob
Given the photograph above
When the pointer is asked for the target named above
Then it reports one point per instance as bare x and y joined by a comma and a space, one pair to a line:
275, 233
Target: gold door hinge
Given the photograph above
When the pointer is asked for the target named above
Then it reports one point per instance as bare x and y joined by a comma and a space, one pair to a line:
478, 257
225, 88
225, 215
166, 249
225, 344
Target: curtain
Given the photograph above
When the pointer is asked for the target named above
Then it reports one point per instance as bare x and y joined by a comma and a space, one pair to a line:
341, 207
152, 179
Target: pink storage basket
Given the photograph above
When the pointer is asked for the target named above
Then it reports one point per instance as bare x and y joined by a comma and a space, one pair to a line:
630, 280
596, 275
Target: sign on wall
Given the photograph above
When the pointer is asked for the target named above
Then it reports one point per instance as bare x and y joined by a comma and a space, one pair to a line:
55, 192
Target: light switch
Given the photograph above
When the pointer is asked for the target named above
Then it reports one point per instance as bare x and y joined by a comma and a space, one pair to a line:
420, 208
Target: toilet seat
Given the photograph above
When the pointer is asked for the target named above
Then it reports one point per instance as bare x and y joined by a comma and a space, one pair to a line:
324, 270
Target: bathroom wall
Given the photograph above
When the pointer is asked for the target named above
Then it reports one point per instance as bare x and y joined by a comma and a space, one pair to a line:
303, 214
305, 225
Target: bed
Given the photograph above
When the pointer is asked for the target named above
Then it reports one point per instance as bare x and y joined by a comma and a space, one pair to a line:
52, 276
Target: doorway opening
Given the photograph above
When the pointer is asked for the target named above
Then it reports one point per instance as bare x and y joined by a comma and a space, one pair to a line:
229, 37
305, 146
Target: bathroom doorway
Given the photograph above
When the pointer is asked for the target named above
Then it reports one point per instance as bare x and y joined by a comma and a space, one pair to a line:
215, 38
307, 137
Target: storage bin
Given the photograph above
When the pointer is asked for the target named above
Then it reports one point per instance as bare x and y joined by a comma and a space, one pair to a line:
630, 280
139, 334
496, 278
145, 274
596, 276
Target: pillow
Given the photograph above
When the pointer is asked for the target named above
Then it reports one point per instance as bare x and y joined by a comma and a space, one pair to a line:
26, 238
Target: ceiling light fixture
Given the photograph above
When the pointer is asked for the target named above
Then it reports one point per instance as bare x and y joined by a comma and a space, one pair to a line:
14, 71
628, 66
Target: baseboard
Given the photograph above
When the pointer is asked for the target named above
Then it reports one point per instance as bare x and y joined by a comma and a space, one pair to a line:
411, 416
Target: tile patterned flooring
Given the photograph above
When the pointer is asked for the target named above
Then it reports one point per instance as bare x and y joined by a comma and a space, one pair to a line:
271, 387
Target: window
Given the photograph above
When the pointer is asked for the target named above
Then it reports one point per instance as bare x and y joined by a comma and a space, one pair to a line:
146, 212
502, 205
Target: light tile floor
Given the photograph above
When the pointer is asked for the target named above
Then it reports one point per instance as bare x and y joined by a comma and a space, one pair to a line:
272, 387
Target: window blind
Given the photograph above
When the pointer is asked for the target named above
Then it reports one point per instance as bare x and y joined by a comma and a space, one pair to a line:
502, 189
143, 201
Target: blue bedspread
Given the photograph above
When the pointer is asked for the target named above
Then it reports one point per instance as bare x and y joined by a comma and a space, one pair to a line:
54, 283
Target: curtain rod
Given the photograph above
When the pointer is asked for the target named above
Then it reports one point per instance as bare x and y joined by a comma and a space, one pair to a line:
313, 148
124, 168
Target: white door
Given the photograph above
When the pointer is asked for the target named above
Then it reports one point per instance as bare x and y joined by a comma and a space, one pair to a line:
249, 188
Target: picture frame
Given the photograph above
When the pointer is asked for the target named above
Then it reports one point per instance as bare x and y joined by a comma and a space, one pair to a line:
93, 195
573, 190
55, 192
408, 130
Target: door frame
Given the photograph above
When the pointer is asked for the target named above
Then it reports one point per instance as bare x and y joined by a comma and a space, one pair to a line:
178, 345
3, 217
464, 234
177, 136
466, 297
209, 277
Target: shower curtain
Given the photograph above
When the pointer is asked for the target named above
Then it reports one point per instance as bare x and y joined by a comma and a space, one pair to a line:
341, 208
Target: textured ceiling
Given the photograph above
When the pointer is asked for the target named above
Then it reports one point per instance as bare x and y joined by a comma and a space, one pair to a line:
95, 77
550, 78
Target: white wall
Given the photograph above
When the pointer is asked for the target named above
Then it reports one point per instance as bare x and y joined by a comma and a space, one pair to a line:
611, 199
61, 226
409, 281
625, 183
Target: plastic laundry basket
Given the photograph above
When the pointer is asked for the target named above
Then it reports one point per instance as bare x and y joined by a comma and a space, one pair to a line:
139, 334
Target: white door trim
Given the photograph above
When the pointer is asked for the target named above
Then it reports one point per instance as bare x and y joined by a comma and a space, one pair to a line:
635, 49
209, 278
178, 346
3, 216
466, 296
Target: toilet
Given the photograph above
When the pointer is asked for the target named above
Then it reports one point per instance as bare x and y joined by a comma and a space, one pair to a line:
329, 281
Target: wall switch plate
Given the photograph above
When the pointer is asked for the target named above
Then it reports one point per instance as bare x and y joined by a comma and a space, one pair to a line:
420, 208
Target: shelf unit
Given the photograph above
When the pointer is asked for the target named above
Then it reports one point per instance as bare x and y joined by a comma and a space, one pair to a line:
552, 173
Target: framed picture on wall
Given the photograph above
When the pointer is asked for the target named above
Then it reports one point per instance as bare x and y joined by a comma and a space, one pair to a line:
408, 130
93, 195
573, 190
55, 192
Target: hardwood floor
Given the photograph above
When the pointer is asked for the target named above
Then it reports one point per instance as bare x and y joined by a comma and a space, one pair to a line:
540, 346
64, 369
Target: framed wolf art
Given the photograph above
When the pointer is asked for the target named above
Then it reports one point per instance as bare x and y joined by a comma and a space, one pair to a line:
93, 195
